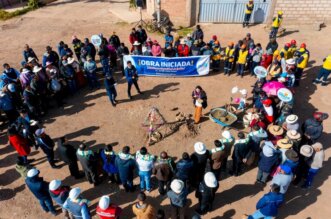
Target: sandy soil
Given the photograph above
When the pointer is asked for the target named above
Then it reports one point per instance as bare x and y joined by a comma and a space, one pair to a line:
90, 117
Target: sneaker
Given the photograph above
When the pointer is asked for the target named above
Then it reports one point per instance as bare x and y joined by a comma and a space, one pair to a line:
55, 167
148, 191
316, 81
324, 83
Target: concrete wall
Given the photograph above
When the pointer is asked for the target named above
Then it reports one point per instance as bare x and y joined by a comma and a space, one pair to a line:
181, 12
304, 11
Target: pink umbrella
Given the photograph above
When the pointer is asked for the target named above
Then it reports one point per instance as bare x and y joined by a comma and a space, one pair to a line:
272, 87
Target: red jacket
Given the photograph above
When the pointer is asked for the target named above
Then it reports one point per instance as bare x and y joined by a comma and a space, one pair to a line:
266, 60
183, 50
20, 144
132, 38
112, 212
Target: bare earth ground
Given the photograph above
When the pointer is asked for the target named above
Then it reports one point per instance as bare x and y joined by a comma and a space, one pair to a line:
89, 117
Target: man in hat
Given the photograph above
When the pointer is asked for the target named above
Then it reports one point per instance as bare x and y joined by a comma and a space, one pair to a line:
184, 169
314, 163
76, 205
126, 165
67, 153
50, 56
267, 206
59, 194
199, 158
183, 50
306, 151
248, 12
217, 156
178, 199
312, 128
169, 39
110, 85
47, 146
198, 33
292, 159
107, 210
228, 141
291, 123
195, 49
28, 52
9, 75
164, 169
39, 189
88, 161
242, 60
137, 49
115, 40
206, 193
131, 76
145, 165
283, 178
143, 210
90, 68
276, 22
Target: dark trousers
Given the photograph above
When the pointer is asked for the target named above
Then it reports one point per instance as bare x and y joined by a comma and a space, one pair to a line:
240, 69
50, 155
11, 115
92, 80
135, 83
91, 176
112, 94
236, 165
217, 172
73, 168
178, 212
114, 177
163, 186
228, 67
47, 205
324, 73
205, 206
246, 19
298, 75
273, 33
252, 66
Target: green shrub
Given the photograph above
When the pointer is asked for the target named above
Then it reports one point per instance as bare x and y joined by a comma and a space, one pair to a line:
32, 5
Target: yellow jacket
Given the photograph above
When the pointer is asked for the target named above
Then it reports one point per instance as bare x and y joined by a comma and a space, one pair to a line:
285, 53
291, 51
216, 54
304, 62
249, 8
229, 54
242, 59
327, 63
277, 22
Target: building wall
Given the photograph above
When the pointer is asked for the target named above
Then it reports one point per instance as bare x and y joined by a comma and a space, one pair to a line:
304, 11
179, 11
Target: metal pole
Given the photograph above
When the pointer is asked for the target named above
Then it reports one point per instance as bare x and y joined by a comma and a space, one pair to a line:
158, 12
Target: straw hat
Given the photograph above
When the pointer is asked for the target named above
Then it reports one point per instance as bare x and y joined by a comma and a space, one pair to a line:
31, 59
71, 60
177, 186
33, 172
293, 134
317, 145
291, 119
226, 134
292, 155
24, 71
306, 150
200, 148
210, 180
104, 202
136, 43
276, 130
36, 69
54, 184
74, 193
284, 143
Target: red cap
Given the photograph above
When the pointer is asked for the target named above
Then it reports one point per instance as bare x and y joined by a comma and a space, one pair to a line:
267, 102
214, 37
287, 45
293, 42
303, 45
319, 116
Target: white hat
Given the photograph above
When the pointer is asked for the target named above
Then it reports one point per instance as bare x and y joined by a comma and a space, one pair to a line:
243, 91
33, 172
48, 63
234, 90
71, 60
11, 88
2, 94
317, 145
136, 43
74, 193
177, 185
291, 119
33, 122
38, 132
293, 134
290, 62
30, 59
104, 202
54, 184
200, 148
226, 134
306, 150
267, 151
210, 180
36, 69
24, 70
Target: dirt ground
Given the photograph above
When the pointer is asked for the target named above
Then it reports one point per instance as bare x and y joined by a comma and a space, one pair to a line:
90, 117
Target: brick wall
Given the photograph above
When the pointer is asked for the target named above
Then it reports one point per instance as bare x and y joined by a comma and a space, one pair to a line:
304, 11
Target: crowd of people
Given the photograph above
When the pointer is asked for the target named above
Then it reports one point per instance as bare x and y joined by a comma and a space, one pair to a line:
283, 152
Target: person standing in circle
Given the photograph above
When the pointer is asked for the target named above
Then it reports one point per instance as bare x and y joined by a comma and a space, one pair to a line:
200, 101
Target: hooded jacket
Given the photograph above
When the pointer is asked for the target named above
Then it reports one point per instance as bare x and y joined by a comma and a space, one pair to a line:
60, 195
143, 212
269, 204
38, 187
163, 169
312, 128
178, 199
125, 165
184, 169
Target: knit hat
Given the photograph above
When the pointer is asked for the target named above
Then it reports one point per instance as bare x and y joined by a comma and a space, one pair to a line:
267, 151
319, 116
33, 172
293, 134
276, 130
292, 155
317, 145
104, 202
54, 184
177, 185
306, 150
226, 134
291, 119
74, 193
210, 180
200, 148
39, 131
284, 143
286, 169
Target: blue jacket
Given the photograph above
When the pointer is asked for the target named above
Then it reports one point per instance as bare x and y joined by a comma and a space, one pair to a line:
78, 209
108, 162
29, 53
38, 187
61, 197
266, 164
129, 73
269, 204
168, 39
184, 169
178, 200
312, 128
8, 76
6, 103
125, 168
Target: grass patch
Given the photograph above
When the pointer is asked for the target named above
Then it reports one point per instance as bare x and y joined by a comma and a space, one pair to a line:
183, 31
32, 5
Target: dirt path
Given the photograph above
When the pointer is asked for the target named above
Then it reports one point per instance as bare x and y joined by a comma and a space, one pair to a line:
90, 117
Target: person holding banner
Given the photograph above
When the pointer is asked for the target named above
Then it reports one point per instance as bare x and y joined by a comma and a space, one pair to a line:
131, 76
200, 101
